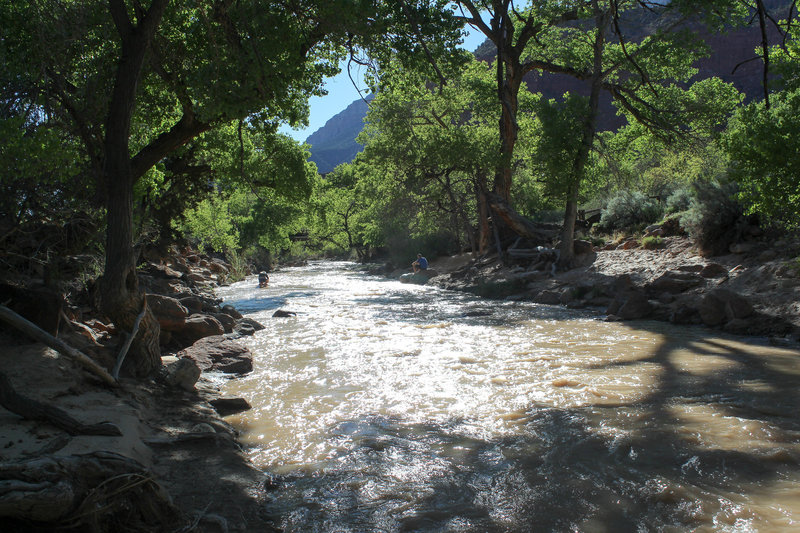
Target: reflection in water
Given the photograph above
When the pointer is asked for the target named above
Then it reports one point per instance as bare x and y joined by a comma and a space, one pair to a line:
391, 407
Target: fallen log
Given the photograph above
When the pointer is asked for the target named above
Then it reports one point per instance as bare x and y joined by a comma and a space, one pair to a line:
31, 409
36, 333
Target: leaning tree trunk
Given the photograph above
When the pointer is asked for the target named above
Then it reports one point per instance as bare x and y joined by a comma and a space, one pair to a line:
509, 79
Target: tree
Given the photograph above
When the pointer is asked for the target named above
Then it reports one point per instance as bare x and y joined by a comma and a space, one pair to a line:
585, 40
177, 69
511, 31
440, 141
337, 211
762, 144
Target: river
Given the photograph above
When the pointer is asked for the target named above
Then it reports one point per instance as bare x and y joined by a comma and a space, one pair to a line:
385, 406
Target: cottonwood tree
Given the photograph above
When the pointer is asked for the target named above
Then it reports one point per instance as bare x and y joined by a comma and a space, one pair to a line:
440, 142
136, 81
585, 40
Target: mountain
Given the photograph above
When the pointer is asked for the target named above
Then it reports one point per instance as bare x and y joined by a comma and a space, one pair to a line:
335, 142
730, 60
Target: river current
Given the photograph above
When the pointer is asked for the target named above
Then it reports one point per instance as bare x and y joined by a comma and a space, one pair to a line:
387, 407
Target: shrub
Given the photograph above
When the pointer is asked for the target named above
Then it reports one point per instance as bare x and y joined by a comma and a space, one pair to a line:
652, 242
629, 210
715, 219
597, 242
680, 200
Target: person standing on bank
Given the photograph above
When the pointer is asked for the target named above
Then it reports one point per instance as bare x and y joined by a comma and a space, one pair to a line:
420, 264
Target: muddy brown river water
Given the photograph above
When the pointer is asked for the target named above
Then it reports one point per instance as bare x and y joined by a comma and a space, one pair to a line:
390, 407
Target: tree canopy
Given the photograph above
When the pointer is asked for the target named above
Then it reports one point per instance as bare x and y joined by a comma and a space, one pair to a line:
158, 121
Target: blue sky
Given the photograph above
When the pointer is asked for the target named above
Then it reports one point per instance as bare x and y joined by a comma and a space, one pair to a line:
342, 93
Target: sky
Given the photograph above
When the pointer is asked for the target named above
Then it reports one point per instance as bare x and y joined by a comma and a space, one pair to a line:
342, 93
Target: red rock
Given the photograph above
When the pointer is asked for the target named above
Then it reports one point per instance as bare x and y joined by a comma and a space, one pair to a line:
219, 354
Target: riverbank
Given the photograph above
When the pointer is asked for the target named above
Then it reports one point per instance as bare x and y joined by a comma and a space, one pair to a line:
176, 462
754, 290
166, 460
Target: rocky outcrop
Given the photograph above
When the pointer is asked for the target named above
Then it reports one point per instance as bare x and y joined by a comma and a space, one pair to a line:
169, 312
418, 278
721, 306
753, 294
179, 293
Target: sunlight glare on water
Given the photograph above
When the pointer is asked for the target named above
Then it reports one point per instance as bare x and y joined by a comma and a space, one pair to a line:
395, 407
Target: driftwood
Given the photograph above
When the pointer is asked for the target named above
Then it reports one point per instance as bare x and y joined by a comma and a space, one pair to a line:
124, 351
35, 332
32, 409
101, 491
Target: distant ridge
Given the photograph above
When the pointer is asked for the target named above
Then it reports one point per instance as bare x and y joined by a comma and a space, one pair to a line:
335, 142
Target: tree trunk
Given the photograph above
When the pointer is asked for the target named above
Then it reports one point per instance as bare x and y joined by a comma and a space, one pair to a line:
120, 298
509, 80
483, 216
566, 248
519, 224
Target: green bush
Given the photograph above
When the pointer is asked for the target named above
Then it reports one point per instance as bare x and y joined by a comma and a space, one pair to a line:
652, 242
680, 200
715, 218
763, 144
629, 210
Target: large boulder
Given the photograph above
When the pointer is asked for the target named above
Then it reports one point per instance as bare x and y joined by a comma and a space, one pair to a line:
183, 373
714, 270
631, 305
230, 406
227, 321
548, 297
219, 354
420, 277
193, 303
218, 266
684, 310
721, 306
673, 282
582, 247
245, 326
198, 326
230, 310
169, 312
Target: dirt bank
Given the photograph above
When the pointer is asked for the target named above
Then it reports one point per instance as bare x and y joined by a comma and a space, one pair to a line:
176, 437
757, 288
167, 460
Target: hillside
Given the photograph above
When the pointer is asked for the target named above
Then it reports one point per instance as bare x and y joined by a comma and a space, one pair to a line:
335, 142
